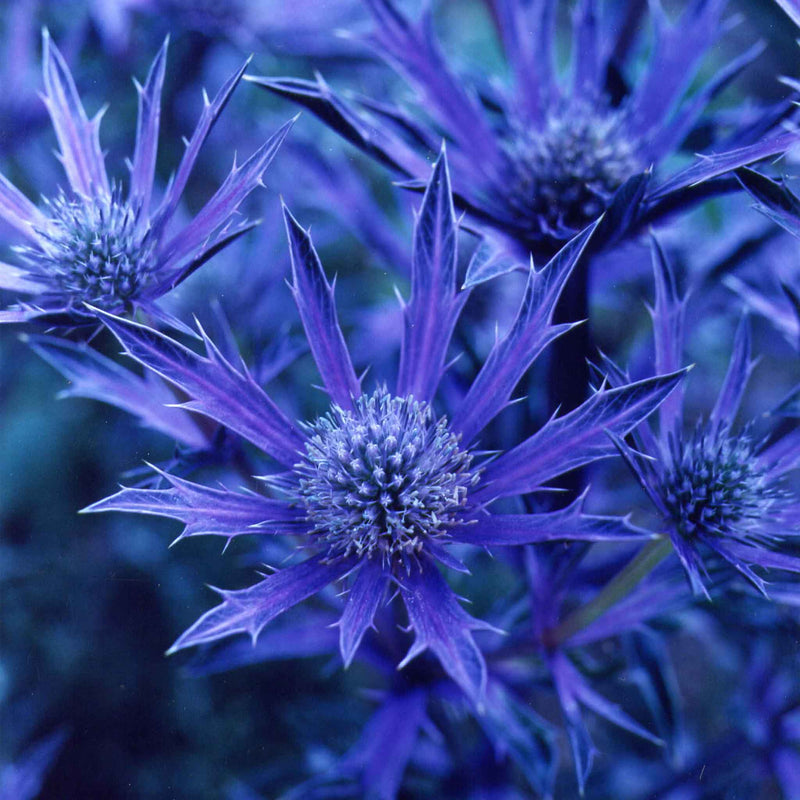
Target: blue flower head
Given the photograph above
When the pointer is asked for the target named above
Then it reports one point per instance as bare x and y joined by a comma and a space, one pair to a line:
720, 491
374, 490
541, 157
95, 244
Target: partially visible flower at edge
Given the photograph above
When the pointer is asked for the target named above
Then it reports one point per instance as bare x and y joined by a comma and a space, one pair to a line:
538, 160
377, 488
720, 491
92, 245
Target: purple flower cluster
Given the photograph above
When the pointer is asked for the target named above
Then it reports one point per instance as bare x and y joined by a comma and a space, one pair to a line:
500, 532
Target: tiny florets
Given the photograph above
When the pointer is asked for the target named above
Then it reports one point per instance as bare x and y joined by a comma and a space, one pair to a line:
92, 248
716, 484
562, 176
383, 479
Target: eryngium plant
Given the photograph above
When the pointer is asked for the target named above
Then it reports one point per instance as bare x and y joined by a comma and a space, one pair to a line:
93, 244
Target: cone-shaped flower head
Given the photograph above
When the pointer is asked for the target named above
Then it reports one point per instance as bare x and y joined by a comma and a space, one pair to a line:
381, 480
563, 175
714, 483
376, 488
94, 244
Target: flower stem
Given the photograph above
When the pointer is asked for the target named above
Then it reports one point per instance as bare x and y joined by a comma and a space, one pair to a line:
619, 587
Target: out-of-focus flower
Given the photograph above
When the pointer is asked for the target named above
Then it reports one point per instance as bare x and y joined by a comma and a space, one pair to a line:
91, 244
376, 488
541, 158
721, 491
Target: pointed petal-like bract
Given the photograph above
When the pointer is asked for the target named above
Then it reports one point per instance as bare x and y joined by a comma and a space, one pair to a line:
652, 671
736, 378
564, 524
575, 439
147, 126
660, 594
216, 388
241, 180
249, 610
530, 333
517, 731
441, 625
169, 278
528, 36
387, 744
643, 470
433, 309
374, 766
668, 332
19, 212
774, 199
313, 635
573, 690
587, 69
623, 211
318, 98
77, 136
210, 113
412, 48
314, 298
583, 749
94, 376
207, 511
792, 8
715, 164
678, 49
669, 138
362, 603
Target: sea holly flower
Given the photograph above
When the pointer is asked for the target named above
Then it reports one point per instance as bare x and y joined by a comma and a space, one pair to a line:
721, 491
94, 244
539, 159
376, 488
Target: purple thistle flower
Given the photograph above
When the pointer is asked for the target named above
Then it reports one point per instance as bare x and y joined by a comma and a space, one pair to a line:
376, 488
92, 244
720, 491
541, 158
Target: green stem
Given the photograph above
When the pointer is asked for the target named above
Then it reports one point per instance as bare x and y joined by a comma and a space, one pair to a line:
619, 587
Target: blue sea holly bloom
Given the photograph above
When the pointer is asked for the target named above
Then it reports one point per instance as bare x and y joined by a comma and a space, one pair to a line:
92, 243
376, 488
721, 491
539, 158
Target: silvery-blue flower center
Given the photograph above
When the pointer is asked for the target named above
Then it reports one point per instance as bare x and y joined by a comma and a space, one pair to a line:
562, 176
382, 480
716, 484
94, 251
